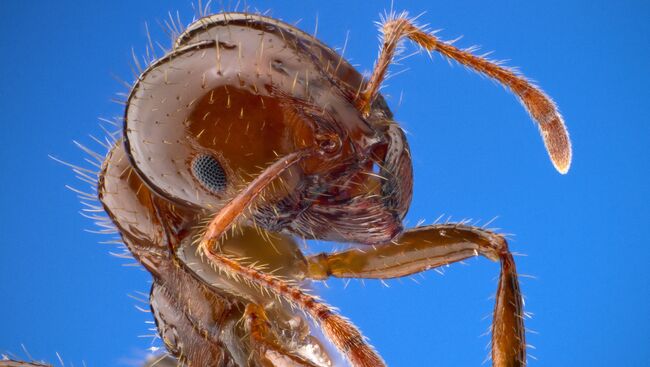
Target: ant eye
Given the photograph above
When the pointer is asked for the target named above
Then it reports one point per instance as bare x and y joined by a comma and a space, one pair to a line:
209, 172
191, 130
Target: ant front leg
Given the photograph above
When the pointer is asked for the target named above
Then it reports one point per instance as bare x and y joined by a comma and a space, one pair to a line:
343, 334
428, 247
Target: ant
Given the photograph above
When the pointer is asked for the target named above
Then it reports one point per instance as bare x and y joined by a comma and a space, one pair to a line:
250, 134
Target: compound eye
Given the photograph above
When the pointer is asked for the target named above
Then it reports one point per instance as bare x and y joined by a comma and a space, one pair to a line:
209, 173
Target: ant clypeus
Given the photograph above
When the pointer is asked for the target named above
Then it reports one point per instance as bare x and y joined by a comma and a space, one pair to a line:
250, 133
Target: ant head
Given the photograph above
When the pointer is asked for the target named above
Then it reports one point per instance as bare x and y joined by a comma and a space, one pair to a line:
236, 94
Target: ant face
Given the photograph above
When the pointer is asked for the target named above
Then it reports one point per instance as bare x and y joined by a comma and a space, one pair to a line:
358, 185
234, 96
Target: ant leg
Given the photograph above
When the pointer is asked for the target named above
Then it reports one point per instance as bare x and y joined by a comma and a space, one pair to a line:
343, 334
267, 349
428, 247
540, 106
229, 214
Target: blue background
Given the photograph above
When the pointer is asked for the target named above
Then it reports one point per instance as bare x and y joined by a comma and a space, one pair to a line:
476, 155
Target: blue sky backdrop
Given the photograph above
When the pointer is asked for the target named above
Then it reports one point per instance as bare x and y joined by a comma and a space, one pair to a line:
476, 155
